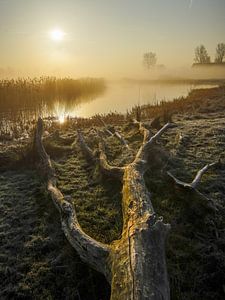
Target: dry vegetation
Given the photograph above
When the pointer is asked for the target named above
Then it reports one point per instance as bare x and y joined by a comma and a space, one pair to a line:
36, 261
22, 101
28, 93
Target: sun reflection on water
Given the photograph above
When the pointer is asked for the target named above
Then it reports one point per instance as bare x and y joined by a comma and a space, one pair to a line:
61, 119
61, 111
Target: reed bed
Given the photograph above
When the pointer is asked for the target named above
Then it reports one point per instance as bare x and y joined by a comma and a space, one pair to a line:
33, 93
22, 100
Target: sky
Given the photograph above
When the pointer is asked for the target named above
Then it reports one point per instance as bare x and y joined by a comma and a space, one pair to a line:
105, 38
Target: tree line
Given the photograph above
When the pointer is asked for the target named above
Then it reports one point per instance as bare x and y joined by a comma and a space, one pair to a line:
201, 56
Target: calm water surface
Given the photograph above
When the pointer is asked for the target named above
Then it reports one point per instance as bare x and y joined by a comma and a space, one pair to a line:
120, 97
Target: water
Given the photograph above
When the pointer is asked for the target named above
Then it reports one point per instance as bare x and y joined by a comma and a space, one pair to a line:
18, 121
121, 97
118, 97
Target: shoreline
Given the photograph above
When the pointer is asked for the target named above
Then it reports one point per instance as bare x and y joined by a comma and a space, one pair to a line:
171, 80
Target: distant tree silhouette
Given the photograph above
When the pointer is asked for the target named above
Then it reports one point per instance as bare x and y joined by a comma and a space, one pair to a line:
149, 60
201, 55
220, 53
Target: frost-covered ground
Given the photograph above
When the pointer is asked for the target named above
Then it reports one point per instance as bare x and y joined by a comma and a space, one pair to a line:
36, 261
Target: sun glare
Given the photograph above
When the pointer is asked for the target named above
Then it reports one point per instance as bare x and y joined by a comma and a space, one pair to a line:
61, 119
57, 35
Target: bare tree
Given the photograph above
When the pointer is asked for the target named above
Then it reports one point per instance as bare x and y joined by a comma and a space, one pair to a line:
220, 53
201, 55
149, 60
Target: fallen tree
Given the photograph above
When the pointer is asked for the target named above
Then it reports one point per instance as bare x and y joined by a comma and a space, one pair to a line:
135, 265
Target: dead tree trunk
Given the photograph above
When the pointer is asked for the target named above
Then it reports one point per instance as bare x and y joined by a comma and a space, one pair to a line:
135, 265
138, 258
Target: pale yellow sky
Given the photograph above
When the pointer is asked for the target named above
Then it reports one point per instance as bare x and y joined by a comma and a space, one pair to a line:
105, 38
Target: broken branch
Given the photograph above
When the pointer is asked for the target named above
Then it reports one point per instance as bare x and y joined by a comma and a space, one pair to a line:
92, 252
106, 168
113, 132
85, 148
200, 173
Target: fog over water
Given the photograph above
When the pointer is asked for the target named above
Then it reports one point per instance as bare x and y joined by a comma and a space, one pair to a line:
121, 97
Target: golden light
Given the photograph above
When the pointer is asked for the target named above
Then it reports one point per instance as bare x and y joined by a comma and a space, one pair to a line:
60, 111
57, 34
61, 119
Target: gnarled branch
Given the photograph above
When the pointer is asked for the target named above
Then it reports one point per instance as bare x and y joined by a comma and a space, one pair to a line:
193, 185
197, 178
148, 142
200, 173
113, 132
92, 252
106, 168
143, 131
155, 137
85, 148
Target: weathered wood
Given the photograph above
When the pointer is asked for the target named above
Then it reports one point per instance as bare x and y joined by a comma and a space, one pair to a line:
105, 127
200, 173
135, 265
191, 188
196, 180
138, 263
85, 148
138, 258
149, 142
106, 168
91, 252
113, 132
122, 139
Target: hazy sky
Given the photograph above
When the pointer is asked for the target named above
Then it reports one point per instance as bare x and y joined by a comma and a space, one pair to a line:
105, 37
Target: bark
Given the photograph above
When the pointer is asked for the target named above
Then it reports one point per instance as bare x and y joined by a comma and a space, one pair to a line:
135, 265
138, 258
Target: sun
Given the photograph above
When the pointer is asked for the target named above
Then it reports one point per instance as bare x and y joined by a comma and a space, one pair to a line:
57, 34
